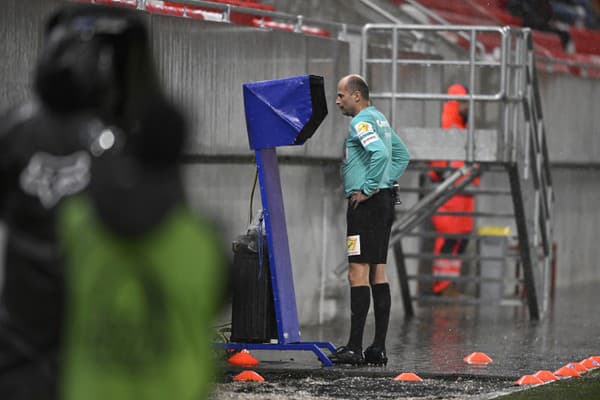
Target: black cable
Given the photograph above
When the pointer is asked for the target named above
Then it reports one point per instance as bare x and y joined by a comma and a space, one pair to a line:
252, 195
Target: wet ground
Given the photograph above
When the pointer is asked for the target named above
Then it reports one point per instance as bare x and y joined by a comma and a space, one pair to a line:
433, 345
336, 386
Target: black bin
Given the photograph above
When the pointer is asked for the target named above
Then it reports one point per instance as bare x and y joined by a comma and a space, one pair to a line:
253, 309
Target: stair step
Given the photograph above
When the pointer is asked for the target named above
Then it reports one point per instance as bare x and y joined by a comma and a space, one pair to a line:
464, 279
469, 300
416, 165
434, 234
451, 144
464, 257
474, 192
476, 214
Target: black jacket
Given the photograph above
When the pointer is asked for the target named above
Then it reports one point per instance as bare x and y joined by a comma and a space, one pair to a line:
43, 159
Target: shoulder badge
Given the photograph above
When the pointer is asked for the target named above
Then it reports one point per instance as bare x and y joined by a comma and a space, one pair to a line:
363, 127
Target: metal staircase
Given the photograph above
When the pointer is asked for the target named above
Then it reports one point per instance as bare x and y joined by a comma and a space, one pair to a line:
513, 144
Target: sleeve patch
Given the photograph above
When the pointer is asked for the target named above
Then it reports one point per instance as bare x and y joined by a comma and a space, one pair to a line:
369, 139
363, 128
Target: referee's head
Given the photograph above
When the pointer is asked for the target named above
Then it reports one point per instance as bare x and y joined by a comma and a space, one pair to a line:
352, 95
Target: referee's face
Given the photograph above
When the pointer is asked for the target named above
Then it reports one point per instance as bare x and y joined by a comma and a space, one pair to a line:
345, 100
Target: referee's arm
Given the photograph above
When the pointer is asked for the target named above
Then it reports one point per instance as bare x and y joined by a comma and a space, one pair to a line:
376, 168
400, 157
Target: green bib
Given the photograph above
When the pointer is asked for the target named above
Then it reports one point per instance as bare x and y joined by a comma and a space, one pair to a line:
139, 310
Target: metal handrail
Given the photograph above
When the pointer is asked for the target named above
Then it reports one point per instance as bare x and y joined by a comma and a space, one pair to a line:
299, 20
471, 97
541, 165
428, 205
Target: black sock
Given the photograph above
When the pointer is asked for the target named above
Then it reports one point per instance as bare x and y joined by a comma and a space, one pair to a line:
360, 300
382, 302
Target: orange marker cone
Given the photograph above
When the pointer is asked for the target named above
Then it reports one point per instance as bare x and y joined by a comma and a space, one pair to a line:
246, 376
408, 377
529, 380
546, 376
578, 367
590, 363
243, 359
567, 372
478, 358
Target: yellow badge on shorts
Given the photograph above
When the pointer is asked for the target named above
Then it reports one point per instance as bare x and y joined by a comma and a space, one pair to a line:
354, 245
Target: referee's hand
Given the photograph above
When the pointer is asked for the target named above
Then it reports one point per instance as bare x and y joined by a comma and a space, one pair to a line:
359, 197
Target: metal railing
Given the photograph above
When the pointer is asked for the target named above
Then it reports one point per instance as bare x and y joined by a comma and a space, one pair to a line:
472, 63
521, 135
539, 165
299, 21
454, 184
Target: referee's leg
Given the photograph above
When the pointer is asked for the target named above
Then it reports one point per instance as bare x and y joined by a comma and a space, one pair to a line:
382, 302
360, 301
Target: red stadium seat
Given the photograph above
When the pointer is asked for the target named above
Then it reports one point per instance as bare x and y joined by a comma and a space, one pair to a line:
592, 60
548, 43
586, 41
457, 7
246, 19
467, 12
240, 18
548, 46
462, 19
497, 10
195, 13
490, 41
165, 8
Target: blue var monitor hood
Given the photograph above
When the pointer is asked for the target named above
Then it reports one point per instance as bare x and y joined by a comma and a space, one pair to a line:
284, 112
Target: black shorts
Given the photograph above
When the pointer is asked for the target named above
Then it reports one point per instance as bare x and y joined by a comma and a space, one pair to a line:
369, 228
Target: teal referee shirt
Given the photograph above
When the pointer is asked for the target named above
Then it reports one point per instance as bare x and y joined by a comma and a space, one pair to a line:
374, 154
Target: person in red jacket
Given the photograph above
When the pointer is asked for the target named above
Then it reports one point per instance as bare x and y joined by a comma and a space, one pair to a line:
454, 116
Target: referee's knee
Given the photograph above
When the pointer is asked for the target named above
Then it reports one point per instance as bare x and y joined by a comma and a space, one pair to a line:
358, 274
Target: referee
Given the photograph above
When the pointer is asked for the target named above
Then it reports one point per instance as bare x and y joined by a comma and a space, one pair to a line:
374, 158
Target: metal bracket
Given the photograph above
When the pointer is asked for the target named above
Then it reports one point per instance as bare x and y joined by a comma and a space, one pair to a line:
315, 347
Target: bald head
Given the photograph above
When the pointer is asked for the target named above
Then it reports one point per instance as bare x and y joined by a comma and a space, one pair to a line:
352, 94
356, 83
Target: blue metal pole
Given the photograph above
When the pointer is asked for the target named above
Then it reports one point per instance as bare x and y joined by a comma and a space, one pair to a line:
282, 279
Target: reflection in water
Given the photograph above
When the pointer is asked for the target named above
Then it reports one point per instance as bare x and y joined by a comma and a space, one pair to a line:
445, 338
439, 337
